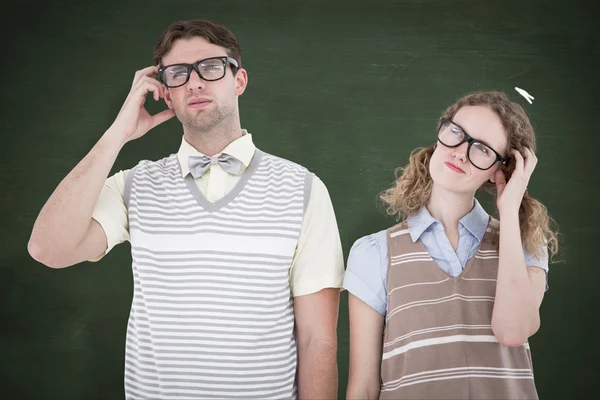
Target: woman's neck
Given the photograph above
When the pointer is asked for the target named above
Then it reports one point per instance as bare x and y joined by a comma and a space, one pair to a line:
449, 207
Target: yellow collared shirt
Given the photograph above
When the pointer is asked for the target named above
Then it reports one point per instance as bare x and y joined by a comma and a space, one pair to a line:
318, 259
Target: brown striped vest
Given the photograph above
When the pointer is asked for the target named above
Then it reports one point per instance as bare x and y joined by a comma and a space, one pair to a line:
438, 341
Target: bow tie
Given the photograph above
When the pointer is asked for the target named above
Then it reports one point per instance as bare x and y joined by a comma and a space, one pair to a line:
200, 164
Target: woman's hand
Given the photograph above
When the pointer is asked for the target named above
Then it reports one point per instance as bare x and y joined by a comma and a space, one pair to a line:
510, 194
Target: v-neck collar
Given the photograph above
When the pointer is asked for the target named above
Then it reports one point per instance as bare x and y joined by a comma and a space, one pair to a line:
476, 222
229, 197
469, 264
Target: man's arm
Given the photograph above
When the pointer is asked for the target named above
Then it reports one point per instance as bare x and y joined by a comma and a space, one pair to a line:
316, 335
316, 278
64, 232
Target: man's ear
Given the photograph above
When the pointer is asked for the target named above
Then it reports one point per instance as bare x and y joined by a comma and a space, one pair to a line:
167, 97
241, 81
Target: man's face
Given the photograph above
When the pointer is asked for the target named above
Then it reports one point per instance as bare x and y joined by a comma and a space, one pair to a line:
201, 105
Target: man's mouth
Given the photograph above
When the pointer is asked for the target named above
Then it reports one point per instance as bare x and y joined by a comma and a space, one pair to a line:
198, 103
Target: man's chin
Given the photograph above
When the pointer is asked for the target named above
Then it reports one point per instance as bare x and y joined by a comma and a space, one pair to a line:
199, 124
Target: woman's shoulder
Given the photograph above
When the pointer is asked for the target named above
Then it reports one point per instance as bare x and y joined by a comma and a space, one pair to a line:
367, 268
370, 252
372, 243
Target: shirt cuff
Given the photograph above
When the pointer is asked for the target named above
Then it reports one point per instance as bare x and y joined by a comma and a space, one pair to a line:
358, 288
314, 285
112, 231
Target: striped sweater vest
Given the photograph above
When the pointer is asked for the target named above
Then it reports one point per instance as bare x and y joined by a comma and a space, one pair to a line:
212, 313
438, 340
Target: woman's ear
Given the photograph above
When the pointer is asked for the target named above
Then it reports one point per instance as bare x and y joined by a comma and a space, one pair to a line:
493, 176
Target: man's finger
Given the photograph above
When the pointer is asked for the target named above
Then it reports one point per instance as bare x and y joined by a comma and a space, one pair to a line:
148, 71
149, 79
143, 88
153, 85
162, 117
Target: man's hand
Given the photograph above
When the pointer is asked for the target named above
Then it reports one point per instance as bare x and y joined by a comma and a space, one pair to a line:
65, 233
134, 120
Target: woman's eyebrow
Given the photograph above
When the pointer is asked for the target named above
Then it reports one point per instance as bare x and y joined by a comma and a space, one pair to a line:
479, 140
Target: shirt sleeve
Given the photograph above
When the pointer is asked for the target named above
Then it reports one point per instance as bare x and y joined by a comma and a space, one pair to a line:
318, 262
539, 261
533, 260
366, 271
111, 213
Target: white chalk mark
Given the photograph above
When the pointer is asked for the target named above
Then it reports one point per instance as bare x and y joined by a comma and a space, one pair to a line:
526, 95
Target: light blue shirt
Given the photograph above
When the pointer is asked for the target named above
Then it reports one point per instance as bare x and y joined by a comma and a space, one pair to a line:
366, 271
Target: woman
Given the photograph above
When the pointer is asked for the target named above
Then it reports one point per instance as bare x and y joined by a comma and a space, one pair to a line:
442, 304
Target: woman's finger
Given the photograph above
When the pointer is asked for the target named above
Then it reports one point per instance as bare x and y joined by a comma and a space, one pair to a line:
530, 162
519, 162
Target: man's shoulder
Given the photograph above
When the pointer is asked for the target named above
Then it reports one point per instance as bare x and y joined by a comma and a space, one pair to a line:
153, 168
278, 162
169, 161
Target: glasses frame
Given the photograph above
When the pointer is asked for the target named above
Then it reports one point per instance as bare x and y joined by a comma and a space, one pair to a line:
470, 140
194, 66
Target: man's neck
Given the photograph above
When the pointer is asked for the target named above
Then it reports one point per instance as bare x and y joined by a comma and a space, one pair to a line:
214, 141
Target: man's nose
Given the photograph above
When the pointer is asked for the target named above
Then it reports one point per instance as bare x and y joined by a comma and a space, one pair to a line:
195, 81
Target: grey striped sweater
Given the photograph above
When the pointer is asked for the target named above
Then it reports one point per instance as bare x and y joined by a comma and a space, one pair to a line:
212, 313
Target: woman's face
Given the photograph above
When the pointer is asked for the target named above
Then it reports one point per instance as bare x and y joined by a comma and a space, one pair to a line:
450, 167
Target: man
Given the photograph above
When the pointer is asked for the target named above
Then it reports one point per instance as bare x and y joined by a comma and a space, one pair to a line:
237, 260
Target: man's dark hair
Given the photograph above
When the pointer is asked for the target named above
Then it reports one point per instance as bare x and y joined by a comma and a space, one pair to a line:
214, 32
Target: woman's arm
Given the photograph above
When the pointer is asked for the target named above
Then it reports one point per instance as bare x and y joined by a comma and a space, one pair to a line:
519, 290
366, 343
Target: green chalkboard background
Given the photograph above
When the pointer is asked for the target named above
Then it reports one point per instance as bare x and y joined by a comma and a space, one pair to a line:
346, 88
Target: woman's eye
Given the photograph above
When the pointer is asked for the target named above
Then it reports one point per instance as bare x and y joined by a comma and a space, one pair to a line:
482, 148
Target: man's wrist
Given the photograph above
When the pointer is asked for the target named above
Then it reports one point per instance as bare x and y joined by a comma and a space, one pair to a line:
113, 140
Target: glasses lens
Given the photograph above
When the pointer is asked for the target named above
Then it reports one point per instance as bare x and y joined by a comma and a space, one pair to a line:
175, 75
450, 134
211, 70
481, 155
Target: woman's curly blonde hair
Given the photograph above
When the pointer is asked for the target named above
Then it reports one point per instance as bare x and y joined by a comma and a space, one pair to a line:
412, 188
